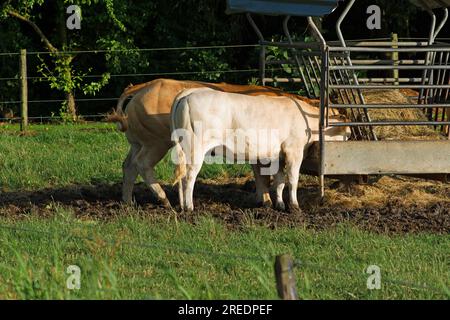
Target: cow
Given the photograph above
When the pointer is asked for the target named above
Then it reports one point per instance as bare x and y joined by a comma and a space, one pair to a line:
146, 123
224, 116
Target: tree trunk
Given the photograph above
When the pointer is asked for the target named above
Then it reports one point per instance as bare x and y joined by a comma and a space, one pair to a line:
70, 96
71, 107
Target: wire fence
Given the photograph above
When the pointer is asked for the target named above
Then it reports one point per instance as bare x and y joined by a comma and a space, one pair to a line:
138, 77
299, 264
186, 48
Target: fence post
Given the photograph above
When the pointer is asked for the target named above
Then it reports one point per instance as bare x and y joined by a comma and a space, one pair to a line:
284, 274
23, 90
395, 58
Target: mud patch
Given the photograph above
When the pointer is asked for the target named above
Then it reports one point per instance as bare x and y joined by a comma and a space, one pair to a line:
233, 203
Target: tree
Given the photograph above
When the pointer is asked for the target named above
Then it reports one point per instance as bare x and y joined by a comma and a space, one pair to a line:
59, 69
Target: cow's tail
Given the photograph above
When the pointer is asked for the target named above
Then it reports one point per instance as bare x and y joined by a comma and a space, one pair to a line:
118, 116
180, 120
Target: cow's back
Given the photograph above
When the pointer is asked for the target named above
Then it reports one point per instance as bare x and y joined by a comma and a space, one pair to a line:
148, 111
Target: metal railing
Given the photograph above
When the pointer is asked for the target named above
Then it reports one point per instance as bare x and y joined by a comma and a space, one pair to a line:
436, 86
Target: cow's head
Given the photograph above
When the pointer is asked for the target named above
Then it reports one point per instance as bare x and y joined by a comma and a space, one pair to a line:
337, 133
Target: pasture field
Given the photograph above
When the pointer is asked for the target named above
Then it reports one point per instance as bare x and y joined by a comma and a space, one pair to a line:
59, 206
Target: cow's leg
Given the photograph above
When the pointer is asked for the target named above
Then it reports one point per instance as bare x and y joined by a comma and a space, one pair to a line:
130, 173
192, 171
293, 164
145, 161
262, 183
181, 191
279, 183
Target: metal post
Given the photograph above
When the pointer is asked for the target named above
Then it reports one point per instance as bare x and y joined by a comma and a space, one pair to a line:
429, 55
23, 90
262, 53
395, 58
349, 61
324, 85
262, 65
323, 109
310, 93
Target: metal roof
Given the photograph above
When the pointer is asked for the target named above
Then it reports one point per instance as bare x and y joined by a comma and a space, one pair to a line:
431, 4
303, 8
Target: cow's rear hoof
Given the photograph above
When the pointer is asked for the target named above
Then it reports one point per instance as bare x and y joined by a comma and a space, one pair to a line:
295, 209
280, 206
165, 203
266, 204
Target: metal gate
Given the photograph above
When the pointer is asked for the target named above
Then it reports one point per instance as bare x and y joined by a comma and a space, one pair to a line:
331, 71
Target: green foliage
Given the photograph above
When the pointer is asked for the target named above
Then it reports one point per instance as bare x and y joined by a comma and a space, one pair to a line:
122, 27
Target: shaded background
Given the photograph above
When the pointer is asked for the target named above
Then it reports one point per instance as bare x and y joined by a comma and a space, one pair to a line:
160, 24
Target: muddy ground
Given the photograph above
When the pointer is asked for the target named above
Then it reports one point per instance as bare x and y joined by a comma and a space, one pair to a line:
393, 205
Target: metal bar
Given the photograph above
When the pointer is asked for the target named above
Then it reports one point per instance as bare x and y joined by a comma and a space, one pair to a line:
323, 106
309, 77
373, 80
404, 80
386, 62
283, 80
255, 27
316, 76
309, 91
349, 60
389, 106
429, 55
386, 67
317, 33
389, 123
390, 87
447, 57
357, 133
381, 43
262, 65
387, 50
324, 87
441, 25
295, 45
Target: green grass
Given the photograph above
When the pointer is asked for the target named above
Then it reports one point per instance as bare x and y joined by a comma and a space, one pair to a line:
57, 156
134, 257
137, 256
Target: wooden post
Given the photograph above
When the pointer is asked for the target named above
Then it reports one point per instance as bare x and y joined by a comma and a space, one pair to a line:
23, 90
284, 274
395, 57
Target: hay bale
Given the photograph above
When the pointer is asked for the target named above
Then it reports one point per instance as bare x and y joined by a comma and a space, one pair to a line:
394, 98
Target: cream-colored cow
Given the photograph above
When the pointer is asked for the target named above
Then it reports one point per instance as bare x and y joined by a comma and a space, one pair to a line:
203, 119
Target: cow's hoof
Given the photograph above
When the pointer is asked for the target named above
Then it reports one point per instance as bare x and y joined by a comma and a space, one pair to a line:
165, 203
265, 204
280, 206
295, 209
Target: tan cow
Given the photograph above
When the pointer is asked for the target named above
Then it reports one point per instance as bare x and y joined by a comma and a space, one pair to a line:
146, 124
269, 129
